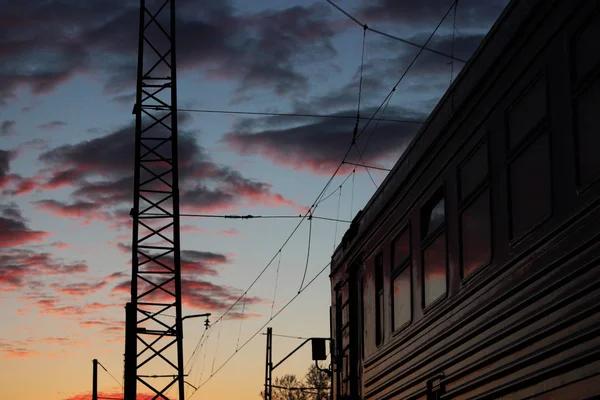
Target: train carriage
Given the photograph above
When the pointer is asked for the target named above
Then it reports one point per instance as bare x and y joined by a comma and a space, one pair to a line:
473, 272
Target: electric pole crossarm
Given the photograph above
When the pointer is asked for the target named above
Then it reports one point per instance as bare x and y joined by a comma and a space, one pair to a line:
296, 349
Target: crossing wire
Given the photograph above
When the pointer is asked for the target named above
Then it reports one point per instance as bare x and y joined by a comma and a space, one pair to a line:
197, 349
334, 192
307, 252
405, 41
337, 217
216, 350
241, 321
276, 282
308, 212
390, 94
261, 328
273, 114
111, 375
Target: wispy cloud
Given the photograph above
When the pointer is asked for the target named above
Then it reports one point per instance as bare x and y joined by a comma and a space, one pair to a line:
52, 125
7, 127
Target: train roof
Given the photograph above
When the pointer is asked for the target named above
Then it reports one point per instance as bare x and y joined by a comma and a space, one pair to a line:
475, 70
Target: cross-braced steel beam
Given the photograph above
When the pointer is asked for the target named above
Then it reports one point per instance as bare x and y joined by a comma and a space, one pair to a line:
154, 339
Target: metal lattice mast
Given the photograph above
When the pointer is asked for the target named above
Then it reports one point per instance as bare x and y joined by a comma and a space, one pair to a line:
154, 340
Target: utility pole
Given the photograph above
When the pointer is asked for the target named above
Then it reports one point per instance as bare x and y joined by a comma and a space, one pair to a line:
94, 379
269, 365
154, 344
318, 354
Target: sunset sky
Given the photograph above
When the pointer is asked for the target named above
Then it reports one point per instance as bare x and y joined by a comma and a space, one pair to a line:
67, 82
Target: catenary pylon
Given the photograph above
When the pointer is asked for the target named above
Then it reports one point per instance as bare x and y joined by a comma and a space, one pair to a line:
154, 339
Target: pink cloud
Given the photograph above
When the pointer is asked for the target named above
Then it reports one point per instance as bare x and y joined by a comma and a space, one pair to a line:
230, 232
62, 246
77, 210
18, 349
201, 295
16, 233
79, 289
108, 395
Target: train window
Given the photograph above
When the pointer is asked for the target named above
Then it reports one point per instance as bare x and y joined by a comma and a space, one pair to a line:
434, 270
476, 233
433, 215
586, 54
402, 299
401, 284
474, 171
530, 186
587, 134
379, 300
401, 249
363, 328
527, 113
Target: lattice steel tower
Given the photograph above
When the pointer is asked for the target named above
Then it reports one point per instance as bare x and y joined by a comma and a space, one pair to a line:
153, 338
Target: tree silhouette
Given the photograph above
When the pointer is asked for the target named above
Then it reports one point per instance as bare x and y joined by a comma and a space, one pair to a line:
318, 381
288, 387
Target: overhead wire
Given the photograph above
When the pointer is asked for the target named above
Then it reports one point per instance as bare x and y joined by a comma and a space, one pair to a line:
337, 217
362, 63
262, 327
241, 321
298, 115
216, 350
367, 166
362, 163
307, 252
422, 48
390, 94
196, 349
111, 375
453, 37
250, 216
405, 41
199, 376
288, 336
355, 133
276, 282
286, 241
334, 192
361, 153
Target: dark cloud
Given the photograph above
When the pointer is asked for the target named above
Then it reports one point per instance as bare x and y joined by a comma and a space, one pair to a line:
100, 172
200, 294
193, 262
462, 46
78, 210
14, 232
282, 40
429, 76
201, 262
11, 211
52, 125
321, 145
5, 158
211, 297
79, 288
474, 14
49, 42
20, 267
7, 127
197, 292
